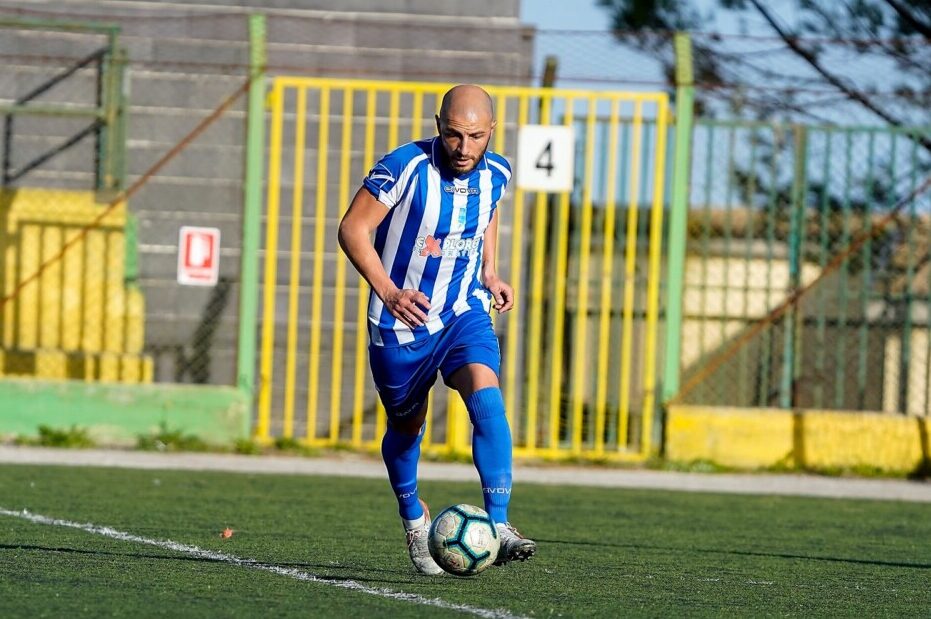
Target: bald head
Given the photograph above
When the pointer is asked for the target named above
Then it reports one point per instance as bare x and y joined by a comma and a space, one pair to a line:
467, 100
465, 123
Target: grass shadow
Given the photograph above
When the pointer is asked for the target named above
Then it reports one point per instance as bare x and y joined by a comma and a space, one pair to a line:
745, 553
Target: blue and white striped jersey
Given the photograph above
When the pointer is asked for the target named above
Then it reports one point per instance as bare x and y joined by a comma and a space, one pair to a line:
432, 238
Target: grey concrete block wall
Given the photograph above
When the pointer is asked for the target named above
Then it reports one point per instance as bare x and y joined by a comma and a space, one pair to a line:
183, 62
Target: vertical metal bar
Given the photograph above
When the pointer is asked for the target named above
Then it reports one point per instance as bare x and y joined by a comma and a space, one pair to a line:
316, 308
866, 283
787, 386
607, 264
768, 339
426, 441
678, 215
393, 112
728, 231
114, 110
630, 266
294, 281
840, 349
905, 370
501, 112
363, 291
653, 283
821, 333
271, 265
417, 115
744, 368
394, 96
339, 309
122, 114
580, 376
515, 332
99, 130
536, 297
706, 242
8, 146
559, 301
252, 209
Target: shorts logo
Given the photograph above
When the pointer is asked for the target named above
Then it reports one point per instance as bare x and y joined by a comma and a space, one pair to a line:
462, 191
446, 248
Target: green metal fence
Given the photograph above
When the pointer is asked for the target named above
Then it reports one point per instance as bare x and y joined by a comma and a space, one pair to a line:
770, 206
55, 90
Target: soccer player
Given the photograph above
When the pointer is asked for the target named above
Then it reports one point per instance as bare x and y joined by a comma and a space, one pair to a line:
432, 207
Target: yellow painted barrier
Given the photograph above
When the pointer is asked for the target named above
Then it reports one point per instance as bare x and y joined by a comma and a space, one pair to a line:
575, 347
78, 319
805, 439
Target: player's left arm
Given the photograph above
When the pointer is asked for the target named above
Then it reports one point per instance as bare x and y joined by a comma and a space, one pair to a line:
499, 289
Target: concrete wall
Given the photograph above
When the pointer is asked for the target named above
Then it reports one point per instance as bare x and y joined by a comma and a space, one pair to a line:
184, 59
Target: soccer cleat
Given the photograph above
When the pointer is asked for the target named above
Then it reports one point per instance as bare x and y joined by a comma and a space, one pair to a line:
417, 546
514, 546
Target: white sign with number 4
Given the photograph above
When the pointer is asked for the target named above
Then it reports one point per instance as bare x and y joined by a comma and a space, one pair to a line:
545, 158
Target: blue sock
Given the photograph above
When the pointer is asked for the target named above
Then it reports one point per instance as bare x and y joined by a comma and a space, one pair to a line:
401, 453
491, 449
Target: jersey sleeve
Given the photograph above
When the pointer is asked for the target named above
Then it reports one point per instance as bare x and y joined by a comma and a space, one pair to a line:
503, 168
385, 181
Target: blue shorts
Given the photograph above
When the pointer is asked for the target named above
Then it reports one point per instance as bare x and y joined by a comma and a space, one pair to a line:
405, 374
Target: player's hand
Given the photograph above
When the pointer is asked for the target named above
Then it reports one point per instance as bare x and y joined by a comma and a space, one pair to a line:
502, 293
409, 306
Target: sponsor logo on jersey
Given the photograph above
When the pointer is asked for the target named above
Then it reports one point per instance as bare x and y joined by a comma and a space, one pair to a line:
462, 191
446, 248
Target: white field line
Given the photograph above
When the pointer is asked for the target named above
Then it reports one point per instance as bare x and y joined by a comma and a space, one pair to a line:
200, 553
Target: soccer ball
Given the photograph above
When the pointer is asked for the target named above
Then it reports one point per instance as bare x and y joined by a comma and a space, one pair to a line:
463, 540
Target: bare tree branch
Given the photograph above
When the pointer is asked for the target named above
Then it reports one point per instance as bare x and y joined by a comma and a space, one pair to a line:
834, 80
909, 18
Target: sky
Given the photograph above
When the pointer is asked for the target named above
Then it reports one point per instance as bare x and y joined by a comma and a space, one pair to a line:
595, 60
553, 14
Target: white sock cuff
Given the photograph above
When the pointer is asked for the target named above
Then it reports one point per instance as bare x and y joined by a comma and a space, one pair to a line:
415, 523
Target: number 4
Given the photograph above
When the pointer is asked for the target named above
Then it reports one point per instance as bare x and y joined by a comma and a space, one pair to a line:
545, 160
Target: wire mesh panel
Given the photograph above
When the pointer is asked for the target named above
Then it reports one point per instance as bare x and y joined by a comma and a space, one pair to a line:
91, 103
585, 265
807, 279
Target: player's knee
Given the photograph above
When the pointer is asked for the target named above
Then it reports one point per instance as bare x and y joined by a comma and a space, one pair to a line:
410, 424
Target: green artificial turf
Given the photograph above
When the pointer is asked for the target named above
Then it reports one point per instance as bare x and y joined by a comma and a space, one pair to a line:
602, 552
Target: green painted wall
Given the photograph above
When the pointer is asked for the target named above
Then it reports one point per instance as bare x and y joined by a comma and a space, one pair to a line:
117, 414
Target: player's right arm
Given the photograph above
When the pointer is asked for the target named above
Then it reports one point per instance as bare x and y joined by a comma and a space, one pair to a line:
364, 215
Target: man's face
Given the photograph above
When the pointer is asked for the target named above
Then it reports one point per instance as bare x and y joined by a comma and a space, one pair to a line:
465, 138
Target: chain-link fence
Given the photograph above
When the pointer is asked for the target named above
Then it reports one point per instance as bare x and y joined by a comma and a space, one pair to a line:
775, 209
819, 151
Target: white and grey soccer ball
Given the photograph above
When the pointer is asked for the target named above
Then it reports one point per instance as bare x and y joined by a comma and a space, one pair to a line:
463, 540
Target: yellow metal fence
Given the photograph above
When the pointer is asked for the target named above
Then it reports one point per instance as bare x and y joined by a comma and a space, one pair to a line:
579, 348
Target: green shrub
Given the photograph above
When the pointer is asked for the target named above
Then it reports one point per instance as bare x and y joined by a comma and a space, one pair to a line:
167, 439
72, 438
